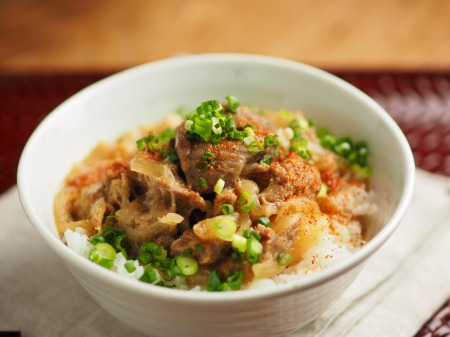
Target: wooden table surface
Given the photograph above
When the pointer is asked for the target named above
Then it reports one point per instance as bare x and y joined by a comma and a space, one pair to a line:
86, 35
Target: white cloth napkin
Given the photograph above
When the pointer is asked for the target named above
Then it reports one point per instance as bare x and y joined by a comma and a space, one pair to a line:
403, 284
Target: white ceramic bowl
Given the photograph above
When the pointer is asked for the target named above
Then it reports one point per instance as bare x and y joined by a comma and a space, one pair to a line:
142, 95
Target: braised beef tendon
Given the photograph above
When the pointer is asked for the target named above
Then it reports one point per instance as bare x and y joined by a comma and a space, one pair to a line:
211, 162
163, 209
227, 161
291, 177
222, 199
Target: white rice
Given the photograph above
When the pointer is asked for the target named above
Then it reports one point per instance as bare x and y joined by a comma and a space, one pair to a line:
78, 242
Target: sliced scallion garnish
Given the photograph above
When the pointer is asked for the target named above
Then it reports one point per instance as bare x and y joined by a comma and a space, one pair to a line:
233, 103
149, 275
246, 202
199, 248
284, 259
227, 209
103, 254
249, 132
218, 187
224, 227
256, 146
254, 250
188, 265
299, 146
265, 221
239, 243
201, 182
235, 279
130, 266
208, 157
270, 140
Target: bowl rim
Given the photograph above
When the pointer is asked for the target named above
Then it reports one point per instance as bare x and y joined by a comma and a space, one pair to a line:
177, 295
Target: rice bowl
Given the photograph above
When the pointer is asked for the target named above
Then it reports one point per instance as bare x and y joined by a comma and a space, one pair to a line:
146, 93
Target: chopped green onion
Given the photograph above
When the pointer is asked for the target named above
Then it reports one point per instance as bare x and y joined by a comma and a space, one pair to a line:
224, 227
236, 134
110, 233
201, 182
208, 157
218, 187
343, 149
239, 243
254, 250
323, 191
187, 252
141, 146
214, 281
356, 153
145, 258
300, 147
250, 233
238, 256
149, 275
298, 126
256, 146
122, 243
249, 132
157, 253
364, 171
172, 155
265, 221
246, 202
235, 279
212, 105
229, 124
233, 103
202, 127
113, 236
199, 248
216, 139
151, 142
103, 254
216, 127
270, 140
188, 265
166, 135
284, 259
188, 125
227, 209
130, 266
266, 159
112, 217
248, 140
168, 268
96, 239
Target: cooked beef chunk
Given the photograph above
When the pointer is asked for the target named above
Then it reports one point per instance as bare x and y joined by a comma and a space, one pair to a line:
291, 177
165, 192
246, 116
226, 197
205, 251
258, 172
230, 157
